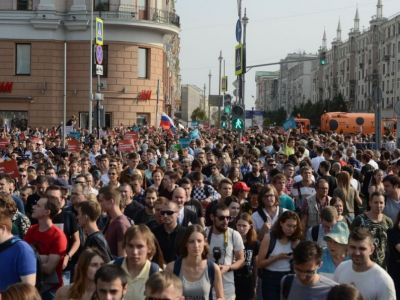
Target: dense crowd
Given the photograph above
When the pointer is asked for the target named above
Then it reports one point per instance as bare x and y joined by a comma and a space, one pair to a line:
198, 214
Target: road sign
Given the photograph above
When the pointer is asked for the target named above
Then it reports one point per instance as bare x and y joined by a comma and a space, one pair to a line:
238, 31
239, 59
215, 100
238, 124
224, 84
99, 70
99, 54
99, 32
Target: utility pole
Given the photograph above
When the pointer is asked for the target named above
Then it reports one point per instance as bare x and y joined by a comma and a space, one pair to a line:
220, 58
204, 98
209, 93
245, 20
90, 114
377, 97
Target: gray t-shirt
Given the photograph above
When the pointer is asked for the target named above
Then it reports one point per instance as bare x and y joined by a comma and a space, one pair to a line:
318, 291
391, 209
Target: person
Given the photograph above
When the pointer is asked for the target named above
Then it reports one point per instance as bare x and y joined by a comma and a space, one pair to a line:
233, 204
227, 247
306, 283
186, 216
83, 287
5, 186
347, 193
192, 204
129, 206
50, 242
344, 291
245, 277
255, 176
20, 222
376, 184
268, 210
198, 274
169, 234
240, 190
164, 285
276, 251
19, 291
303, 189
285, 201
393, 261
114, 231
145, 215
111, 282
140, 248
88, 213
16, 256
339, 205
368, 277
328, 220
335, 252
391, 184
378, 224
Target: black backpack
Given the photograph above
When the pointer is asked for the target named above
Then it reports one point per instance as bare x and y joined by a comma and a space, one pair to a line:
286, 285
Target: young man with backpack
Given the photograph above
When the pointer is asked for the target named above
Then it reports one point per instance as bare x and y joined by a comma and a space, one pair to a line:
306, 283
329, 217
16, 256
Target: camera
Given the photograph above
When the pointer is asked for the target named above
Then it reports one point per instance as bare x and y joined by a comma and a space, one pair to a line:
217, 253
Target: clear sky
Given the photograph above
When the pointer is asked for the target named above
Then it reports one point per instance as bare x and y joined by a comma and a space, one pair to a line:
275, 29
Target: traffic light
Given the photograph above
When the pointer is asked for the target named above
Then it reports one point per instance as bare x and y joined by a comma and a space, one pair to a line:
322, 58
227, 104
237, 117
224, 121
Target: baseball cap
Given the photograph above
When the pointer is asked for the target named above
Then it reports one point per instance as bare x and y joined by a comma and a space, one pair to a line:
241, 186
339, 233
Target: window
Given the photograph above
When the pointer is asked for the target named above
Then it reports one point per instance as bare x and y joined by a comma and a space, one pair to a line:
143, 119
106, 119
24, 4
105, 62
23, 59
143, 63
101, 5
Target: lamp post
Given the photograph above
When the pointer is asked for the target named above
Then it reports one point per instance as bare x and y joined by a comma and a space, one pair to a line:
91, 69
209, 93
245, 20
220, 58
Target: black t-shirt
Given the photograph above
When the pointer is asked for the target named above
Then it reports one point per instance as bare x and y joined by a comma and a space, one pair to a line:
170, 243
31, 201
332, 183
133, 209
142, 217
98, 241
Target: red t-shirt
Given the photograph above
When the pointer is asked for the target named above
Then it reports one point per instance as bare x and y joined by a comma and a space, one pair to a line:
51, 241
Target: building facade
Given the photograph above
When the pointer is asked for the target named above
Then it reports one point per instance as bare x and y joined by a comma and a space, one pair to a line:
267, 85
192, 97
45, 51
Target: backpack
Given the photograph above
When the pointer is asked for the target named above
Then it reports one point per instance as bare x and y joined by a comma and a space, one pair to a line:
286, 285
154, 268
264, 216
210, 270
7, 244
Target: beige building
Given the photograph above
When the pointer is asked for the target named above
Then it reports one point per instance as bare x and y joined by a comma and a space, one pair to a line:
140, 61
267, 90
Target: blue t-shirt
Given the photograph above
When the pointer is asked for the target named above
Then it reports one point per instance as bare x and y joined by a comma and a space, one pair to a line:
286, 202
16, 261
328, 266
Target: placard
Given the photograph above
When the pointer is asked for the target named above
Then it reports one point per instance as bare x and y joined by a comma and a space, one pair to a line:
126, 146
9, 167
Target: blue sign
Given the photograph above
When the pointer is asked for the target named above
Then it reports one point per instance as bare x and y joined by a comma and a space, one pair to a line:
195, 123
184, 142
99, 54
75, 135
238, 31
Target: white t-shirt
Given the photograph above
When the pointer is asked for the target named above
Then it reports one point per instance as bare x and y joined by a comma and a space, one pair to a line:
227, 255
259, 222
374, 284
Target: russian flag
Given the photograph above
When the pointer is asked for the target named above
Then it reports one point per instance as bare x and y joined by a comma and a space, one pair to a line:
166, 122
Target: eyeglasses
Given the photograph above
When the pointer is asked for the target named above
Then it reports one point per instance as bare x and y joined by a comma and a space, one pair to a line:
306, 273
156, 298
167, 212
82, 182
22, 175
222, 218
112, 173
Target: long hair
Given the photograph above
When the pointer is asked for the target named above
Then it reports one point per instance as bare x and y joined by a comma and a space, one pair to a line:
21, 291
144, 232
264, 190
191, 229
251, 236
277, 227
78, 287
343, 182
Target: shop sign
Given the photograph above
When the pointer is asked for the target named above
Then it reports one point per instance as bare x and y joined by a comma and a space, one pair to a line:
6, 86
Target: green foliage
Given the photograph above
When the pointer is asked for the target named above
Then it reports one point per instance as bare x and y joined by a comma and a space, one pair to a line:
276, 116
198, 115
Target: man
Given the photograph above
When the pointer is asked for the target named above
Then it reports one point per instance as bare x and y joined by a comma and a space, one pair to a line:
129, 206
201, 191
186, 217
315, 162
225, 189
192, 204
324, 171
328, 219
314, 204
164, 285
303, 189
5, 187
17, 258
50, 242
104, 165
369, 278
88, 213
133, 160
111, 282
229, 244
306, 284
169, 234
145, 215
391, 184
255, 176
118, 223
41, 184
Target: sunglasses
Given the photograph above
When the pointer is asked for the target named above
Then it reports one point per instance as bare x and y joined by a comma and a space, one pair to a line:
222, 218
167, 212
112, 173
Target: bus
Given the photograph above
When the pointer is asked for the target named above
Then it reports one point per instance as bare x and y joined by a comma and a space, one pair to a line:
303, 125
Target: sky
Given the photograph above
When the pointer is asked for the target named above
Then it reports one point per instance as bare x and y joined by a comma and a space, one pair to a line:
275, 29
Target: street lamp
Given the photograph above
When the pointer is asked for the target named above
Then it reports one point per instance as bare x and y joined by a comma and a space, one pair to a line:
209, 93
91, 69
245, 20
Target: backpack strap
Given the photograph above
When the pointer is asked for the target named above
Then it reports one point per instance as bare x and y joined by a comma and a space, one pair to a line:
287, 285
118, 261
154, 268
272, 243
177, 266
314, 233
211, 275
209, 235
7, 244
262, 214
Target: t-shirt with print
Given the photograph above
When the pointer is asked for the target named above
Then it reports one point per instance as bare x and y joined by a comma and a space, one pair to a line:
234, 244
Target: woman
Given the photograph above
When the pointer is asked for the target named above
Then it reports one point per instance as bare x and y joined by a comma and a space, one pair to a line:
234, 174
140, 248
194, 267
268, 210
347, 193
335, 252
245, 277
20, 222
376, 184
393, 261
84, 286
339, 205
234, 209
21, 291
276, 253
378, 224
114, 177
157, 178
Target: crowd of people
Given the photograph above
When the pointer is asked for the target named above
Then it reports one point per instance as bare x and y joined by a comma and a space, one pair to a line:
198, 214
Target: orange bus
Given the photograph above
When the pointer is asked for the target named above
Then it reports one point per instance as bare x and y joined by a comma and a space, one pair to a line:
343, 122
303, 125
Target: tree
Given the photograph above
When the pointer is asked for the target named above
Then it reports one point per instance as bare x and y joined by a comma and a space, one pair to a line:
198, 115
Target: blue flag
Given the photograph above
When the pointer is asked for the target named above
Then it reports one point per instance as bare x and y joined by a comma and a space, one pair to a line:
194, 134
289, 123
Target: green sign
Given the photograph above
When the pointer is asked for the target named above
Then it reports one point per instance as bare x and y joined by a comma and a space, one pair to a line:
228, 109
238, 124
